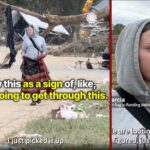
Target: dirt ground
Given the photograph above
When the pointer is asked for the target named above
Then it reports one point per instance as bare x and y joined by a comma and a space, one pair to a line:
14, 116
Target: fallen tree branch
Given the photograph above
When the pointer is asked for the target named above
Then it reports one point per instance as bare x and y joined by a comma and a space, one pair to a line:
26, 11
46, 31
54, 19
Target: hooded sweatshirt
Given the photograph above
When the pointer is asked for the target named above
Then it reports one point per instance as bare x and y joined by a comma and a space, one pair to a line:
129, 76
130, 79
28, 47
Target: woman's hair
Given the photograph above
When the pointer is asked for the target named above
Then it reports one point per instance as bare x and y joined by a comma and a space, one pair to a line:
30, 25
146, 28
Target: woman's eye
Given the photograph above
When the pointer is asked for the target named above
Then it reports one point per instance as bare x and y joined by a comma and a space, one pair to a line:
147, 48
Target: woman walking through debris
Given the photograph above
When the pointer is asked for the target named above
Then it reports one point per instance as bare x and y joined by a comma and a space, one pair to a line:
33, 67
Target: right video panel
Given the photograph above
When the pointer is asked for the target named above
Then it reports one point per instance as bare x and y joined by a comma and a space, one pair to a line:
131, 75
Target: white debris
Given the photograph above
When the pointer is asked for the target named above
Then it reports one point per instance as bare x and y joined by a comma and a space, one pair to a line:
37, 22
67, 113
60, 29
33, 135
34, 21
72, 69
3, 38
105, 81
71, 106
101, 116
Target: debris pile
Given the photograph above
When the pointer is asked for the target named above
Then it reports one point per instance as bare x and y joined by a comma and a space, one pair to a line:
68, 112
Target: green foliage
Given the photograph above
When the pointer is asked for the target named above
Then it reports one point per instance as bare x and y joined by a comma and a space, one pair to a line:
117, 29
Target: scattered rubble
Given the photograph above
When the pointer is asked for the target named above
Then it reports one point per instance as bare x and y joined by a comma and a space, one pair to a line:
101, 116
66, 112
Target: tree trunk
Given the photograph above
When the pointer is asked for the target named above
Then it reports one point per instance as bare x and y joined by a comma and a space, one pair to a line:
54, 19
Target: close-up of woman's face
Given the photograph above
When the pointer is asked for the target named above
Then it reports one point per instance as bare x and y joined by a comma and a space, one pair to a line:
30, 31
144, 55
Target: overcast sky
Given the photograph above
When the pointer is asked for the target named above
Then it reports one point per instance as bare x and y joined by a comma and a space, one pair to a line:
125, 12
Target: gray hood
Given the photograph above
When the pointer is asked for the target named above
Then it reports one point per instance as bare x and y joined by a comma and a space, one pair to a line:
129, 76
